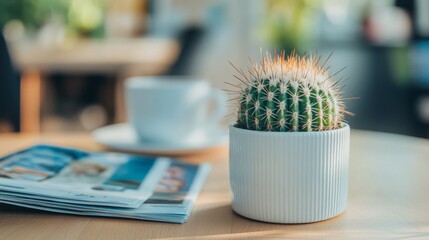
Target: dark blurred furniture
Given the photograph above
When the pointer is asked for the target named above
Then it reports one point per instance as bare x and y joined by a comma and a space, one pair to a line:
9, 88
419, 53
419, 62
385, 104
190, 40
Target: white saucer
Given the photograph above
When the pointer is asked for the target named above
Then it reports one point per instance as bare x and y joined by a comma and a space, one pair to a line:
123, 137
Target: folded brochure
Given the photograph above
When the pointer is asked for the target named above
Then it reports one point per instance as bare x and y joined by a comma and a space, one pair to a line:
72, 181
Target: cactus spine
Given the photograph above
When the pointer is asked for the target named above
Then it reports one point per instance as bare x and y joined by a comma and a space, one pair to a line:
289, 94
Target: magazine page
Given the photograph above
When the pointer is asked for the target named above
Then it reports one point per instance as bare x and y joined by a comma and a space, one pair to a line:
172, 200
105, 179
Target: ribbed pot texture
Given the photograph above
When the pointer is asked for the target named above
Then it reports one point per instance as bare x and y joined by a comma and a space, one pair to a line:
289, 177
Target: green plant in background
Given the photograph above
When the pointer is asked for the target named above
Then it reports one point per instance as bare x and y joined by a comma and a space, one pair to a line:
79, 17
85, 17
289, 24
289, 94
33, 14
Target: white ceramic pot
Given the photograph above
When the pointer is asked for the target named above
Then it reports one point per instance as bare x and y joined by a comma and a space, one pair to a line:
289, 177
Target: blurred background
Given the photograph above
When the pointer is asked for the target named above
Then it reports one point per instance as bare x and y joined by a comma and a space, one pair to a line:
63, 62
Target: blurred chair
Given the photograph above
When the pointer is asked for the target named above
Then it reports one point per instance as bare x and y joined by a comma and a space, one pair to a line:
9, 88
189, 39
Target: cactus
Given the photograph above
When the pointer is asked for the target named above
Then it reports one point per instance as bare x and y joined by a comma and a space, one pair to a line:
289, 94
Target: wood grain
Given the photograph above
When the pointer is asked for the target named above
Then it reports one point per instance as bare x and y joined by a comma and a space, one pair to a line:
389, 197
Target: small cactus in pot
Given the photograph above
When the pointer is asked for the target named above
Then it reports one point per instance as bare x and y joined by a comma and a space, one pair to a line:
289, 148
289, 94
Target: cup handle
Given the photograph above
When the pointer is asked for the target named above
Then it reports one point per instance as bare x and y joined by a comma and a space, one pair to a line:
219, 98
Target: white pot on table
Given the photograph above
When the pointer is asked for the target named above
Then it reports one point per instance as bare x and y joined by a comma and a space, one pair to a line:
289, 177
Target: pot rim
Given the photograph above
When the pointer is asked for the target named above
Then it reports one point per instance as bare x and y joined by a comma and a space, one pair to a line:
345, 127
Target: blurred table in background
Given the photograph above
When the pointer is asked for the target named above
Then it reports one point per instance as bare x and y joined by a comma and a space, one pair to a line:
122, 57
387, 199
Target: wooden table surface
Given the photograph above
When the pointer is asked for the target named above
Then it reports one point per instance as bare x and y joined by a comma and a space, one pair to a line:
388, 199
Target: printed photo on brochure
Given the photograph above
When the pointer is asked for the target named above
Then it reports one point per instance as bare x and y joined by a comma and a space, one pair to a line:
68, 171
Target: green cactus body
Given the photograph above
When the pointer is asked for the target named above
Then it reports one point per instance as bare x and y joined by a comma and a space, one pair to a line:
292, 94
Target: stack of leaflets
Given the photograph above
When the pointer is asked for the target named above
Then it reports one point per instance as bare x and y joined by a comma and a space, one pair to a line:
72, 181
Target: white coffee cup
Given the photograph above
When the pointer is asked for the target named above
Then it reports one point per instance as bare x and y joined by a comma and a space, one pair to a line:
169, 109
